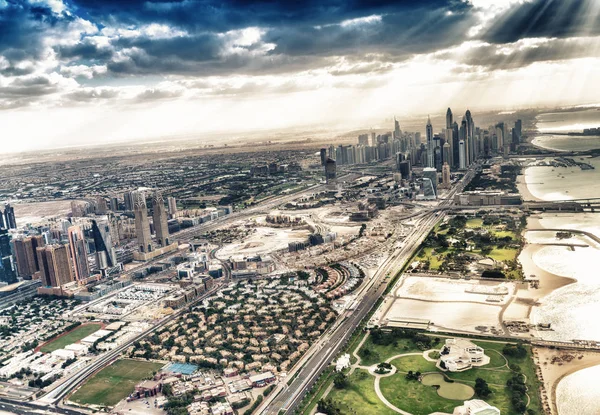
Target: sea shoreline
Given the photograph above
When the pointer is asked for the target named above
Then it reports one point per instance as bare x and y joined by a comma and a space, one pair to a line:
551, 370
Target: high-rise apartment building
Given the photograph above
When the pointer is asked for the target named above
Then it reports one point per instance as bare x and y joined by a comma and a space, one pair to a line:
172, 203
7, 267
10, 222
462, 155
430, 144
78, 249
55, 265
446, 176
431, 174
106, 256
159, 217
449, 136
142, 226
330, 170
26, 257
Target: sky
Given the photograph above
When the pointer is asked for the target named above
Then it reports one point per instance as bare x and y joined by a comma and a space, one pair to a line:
81, 72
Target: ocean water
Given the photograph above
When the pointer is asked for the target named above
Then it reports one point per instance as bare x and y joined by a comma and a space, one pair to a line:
567, 143
576, 394
571, 121
572, 309
564, 183
563, 122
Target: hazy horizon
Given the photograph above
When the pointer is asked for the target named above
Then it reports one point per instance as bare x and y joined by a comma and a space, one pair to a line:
80, 72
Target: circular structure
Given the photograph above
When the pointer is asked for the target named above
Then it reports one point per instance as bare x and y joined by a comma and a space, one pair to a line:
450, 390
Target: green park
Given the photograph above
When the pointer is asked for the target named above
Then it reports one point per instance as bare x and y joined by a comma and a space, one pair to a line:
114, 382
417, 386
70, 337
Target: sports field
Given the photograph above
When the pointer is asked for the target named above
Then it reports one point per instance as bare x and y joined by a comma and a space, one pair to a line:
72, 336
114, 382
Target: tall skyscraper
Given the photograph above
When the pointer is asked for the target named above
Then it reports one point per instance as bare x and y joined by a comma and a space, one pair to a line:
330, 167
397, 131
446, 176
446, 153
455, 140
463, 135
142, 226
430, 144
449, 136
26, 257
105, 252
462, 155
128, 200
9, 217
431, 175
159, 217
7, 267
55, 265
470, 138
172, 203
101, 206
77, 245
323, 154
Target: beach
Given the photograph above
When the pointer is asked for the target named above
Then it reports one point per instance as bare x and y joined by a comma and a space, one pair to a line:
556, 365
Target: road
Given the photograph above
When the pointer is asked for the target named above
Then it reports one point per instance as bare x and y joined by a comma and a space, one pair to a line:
287, 398
80, 376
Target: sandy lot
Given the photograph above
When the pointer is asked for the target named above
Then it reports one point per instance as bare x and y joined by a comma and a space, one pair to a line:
36, 212
456, 316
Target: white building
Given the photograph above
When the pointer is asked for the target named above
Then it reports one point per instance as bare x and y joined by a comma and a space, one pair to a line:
476, 407
461, 354
342, 363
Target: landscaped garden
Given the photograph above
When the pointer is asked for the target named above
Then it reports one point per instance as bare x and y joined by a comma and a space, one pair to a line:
420, 388
458, 243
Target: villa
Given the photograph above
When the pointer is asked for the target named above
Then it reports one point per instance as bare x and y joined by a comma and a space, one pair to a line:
476, 407
458, 355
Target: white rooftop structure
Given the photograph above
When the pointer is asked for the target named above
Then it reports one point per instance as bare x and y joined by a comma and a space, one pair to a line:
342, 363
461, 354
476, 407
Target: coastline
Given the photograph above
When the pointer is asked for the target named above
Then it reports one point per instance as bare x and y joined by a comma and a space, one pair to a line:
552, 365
553, 368
523, 189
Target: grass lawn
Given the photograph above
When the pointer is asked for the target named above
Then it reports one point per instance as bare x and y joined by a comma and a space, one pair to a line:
417, 398
434, 262
114, 382
73, 336
359, 397
413, 396
503, 254
380, 353
474, 223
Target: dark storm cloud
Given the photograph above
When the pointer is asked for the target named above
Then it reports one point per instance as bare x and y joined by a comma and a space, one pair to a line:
518, 55
84, 50
23, 27
302, 36
546, 18
221, 16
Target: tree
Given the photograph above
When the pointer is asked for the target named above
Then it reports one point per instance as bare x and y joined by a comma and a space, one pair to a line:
481, 388
340, 381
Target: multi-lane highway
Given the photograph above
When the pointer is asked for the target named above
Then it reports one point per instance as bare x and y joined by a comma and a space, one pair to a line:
287, 398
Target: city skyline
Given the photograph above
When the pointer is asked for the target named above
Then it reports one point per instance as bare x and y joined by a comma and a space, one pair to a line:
79, 73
